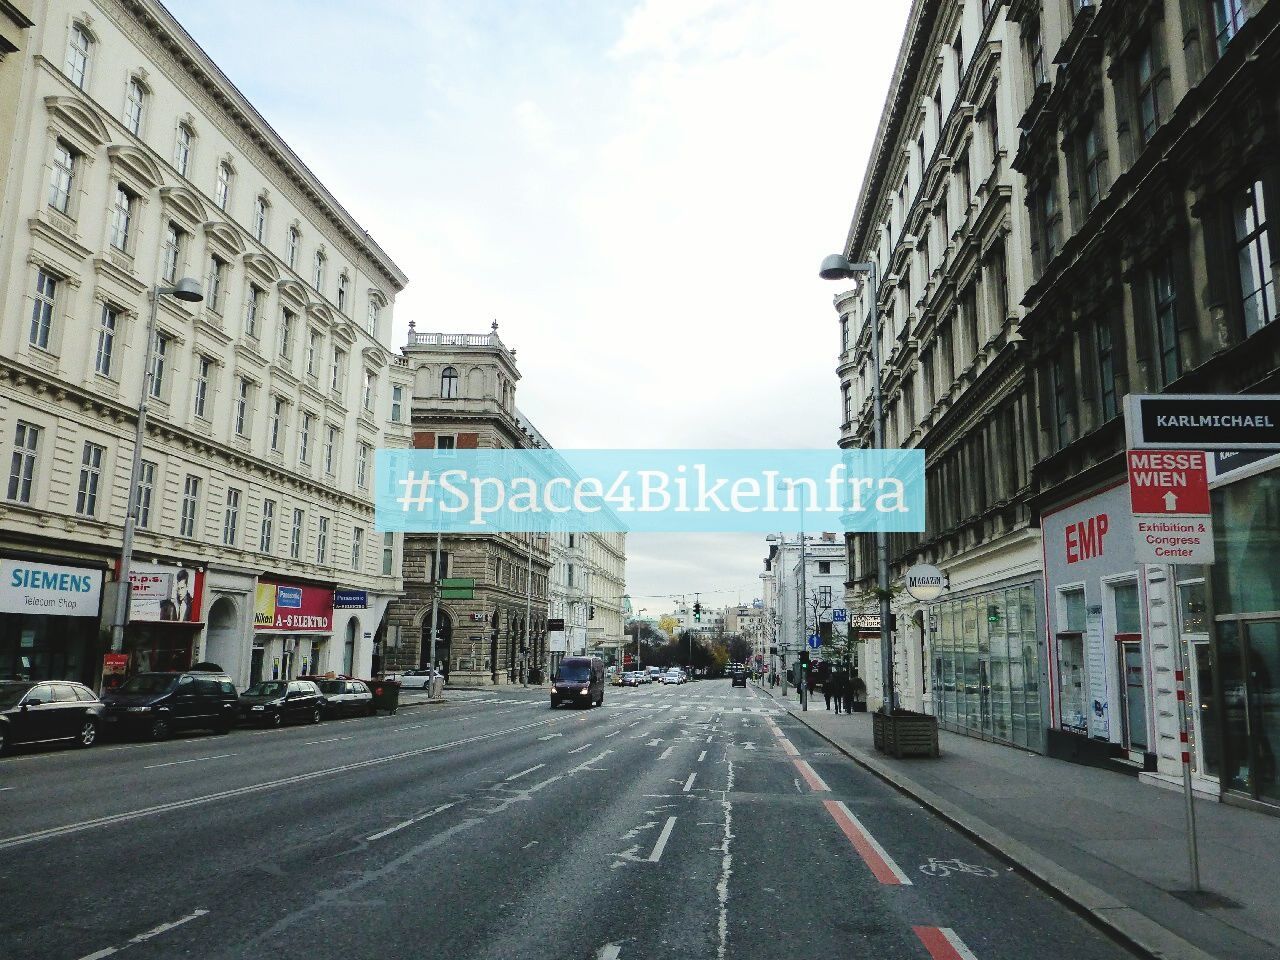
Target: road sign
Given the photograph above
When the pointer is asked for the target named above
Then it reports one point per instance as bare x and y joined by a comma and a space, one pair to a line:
1172, 513
1203, 421
815, 641
457, 588
839, 615
925, 582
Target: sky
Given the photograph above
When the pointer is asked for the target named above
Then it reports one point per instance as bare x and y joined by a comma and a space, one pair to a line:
638, 191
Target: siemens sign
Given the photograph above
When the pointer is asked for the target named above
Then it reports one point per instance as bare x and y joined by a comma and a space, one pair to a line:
45, 588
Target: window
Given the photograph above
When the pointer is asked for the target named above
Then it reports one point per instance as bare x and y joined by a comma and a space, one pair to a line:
449, 383
295, 534
1035, 56
370, 389
371, 323
357, 547
135, 98
339, 368
304, 437
171, 253
204, 366
42, 309
444, 567
1094, 164
291, 248
1253, 255
824, 596
1148, 77
999, 286
231, 518
993, 132
182, 149
362, 465
446, 442
1165, 316
277, 423
313, 353
286, 334
1106, 369
397, 404
260, 219
253, 303
1228, 17
317, 272
22, 466
343, 284
108, 322
146, 489
90, 477
222, 189
388, 554
846, 403
244, 391
1061, 399
121, 217
61, 177
322, 540
330, 442
1049, 222
190, 501
824, 566
77, 65
267, 532
1072, 613
156, 387
957, 53
217, 278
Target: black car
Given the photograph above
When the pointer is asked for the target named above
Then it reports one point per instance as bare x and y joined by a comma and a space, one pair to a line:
158, 704
346, 698
739, 678
48, 711
277, 702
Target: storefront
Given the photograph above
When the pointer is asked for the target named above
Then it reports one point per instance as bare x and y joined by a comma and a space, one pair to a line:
49, 621
293, 628
165, 616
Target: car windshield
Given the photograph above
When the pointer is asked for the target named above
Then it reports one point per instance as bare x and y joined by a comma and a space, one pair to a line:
267, 688
575, 673
333, 686
11, 693
147, 683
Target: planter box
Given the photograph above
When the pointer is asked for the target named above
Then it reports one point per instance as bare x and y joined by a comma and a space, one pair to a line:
905, 734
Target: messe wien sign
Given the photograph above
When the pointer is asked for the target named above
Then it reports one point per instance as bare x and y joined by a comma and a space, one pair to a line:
1204, 421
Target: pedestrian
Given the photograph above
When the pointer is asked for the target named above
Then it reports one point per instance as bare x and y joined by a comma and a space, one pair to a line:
854, 690
837, 690
828, 688
810, 681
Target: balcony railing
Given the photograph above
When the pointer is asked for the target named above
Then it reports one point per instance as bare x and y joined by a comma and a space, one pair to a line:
453, 339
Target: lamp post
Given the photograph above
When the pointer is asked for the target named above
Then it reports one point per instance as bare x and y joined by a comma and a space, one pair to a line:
839, 267
639, 614
188, 291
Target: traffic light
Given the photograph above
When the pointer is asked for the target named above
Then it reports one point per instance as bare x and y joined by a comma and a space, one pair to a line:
591, 612
697, 612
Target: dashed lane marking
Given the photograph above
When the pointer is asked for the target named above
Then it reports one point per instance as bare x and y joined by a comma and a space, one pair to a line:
874, 855
702, 756
943, 943
663, 837
666, 753
581, 748
517, 776
174, 763
147, 935
688, 784
410, 822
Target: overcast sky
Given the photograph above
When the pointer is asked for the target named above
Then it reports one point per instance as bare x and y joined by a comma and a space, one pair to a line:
639, 191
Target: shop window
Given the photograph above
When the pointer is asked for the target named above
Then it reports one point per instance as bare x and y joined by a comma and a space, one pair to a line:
1128, 607
1071, 662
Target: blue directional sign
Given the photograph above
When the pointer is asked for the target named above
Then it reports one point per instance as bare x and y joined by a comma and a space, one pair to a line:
815, 641
839, 615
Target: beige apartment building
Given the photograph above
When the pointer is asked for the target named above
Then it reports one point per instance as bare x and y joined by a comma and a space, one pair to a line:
135, 163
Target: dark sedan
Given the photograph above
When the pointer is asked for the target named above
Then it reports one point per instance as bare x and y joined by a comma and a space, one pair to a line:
277, 702
346, 698
48, 712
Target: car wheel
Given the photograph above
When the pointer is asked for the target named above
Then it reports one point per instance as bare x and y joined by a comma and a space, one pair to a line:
315, 715
87, 735
160, 728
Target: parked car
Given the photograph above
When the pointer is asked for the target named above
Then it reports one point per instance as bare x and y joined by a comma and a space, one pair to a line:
739, 678
48, 711
579, 680
346, 698
418, 679
277, 702
157, 704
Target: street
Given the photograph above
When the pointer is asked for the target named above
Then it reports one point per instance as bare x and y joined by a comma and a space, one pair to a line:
683, 821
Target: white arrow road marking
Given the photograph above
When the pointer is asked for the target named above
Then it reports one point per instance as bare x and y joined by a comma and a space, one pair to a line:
666, 753
661, 845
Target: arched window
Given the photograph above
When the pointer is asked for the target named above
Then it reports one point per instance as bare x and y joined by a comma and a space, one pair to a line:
449, 383
182, 149
222, 192
291, 249
77, 65
135, 99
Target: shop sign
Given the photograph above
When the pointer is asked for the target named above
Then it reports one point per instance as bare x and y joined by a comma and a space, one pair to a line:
1204, 421
159, 592
1172, 516
926, 582
279, 606
555, 625
350, 599
50, 589
870, 622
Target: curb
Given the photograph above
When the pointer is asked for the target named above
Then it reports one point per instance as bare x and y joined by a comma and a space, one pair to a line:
434, 702
1133, 928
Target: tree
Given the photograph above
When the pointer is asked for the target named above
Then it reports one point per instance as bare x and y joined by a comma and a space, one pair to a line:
668, 625
739, 650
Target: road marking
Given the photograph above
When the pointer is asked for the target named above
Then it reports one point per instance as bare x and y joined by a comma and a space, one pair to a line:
662, 840
688, 784
82, 825
3, 789
702, 756
312, 743
149, 934
708, 739
811, 776
666, 753
410, 822
654, 743
517, 776
581, 748
789, 747
943, 943
874, 855
586, 764
551, 736
609, 951
174, 763
614, 734
531, 843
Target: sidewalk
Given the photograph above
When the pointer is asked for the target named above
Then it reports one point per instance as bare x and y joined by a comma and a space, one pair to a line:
1111, 845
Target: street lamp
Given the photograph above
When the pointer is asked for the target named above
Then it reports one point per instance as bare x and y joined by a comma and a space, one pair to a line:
188, 291
839, 267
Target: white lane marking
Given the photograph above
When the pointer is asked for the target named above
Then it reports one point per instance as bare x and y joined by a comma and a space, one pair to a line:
688, 784
80, 826
708, 739
654, 743
789, 748
551, 736
99, 954
726, 867
517, 776
3, 789
614, 734
410, 822
174, 763
666, 753
702, 756
311, 743
147, 935
662, 840
581, 748
586, 764
531, 843
609, 951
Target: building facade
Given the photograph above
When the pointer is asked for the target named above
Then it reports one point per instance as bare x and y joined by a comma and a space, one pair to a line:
794, 606
136, 163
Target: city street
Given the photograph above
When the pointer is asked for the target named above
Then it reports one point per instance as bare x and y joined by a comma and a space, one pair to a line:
683, 821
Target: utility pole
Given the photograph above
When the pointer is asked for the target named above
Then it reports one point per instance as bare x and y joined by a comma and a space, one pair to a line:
528, 607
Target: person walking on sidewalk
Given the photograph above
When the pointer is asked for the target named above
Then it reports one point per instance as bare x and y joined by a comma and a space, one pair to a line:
828, 690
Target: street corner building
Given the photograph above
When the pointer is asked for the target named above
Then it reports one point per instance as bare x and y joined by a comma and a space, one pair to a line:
1069, 203
498, 608
131, 163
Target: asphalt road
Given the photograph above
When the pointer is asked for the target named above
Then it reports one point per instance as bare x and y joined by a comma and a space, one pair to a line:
696, 821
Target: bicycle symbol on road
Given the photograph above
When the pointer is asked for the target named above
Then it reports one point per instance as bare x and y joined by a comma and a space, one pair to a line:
944, 868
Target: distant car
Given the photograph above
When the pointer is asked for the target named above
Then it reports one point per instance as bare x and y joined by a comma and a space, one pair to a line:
739, 678
48, 711
277, 702
158, 704
673, 676
630, 679
417, 679
655, 674
346, 698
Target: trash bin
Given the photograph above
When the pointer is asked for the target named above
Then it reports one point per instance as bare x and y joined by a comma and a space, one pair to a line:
386, 695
